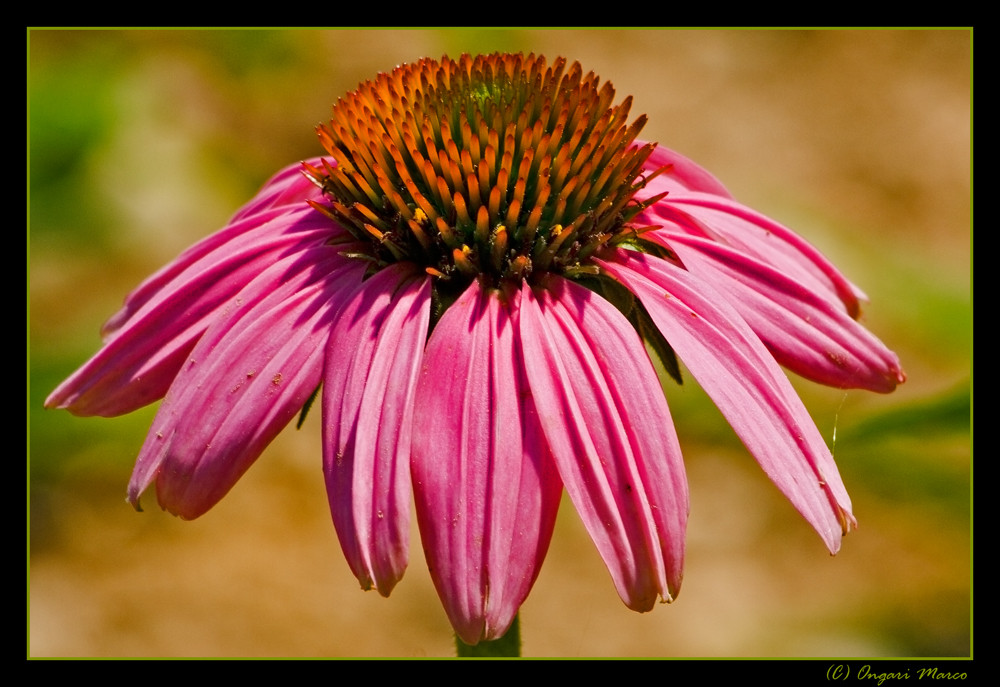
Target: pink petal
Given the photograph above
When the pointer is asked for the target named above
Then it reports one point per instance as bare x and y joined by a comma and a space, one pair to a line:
289, 187
605, 417
485, 488
726, 221
152, 336
372, 363
745, 382
268, 216
246, 378
682, 174
804, 332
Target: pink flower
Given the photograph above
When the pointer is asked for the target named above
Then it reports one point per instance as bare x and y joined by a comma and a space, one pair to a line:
482, 281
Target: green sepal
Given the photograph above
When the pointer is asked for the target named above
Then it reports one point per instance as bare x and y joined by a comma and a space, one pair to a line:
611, 290
306, 407
655, 342
444, 293
648, 247
632, 308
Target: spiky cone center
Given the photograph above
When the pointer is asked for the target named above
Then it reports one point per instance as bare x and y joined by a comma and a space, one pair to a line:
500, 167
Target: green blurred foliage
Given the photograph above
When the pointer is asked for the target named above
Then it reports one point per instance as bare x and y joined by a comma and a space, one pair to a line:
69, 118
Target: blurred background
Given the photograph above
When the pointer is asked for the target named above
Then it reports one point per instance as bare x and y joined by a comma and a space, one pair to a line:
142, 142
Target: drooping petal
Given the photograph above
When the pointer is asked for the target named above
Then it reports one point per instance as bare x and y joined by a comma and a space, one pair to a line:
372, 362
485, 488
606, 419
246, 378
746, 384
806, 333
724, 220
159, 325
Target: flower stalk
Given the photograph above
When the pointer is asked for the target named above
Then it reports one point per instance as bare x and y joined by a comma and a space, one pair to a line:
506, 646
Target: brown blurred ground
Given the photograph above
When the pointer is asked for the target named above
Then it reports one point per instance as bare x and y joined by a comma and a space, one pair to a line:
859, 140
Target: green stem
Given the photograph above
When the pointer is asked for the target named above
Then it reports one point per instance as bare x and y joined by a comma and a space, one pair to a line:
507, 646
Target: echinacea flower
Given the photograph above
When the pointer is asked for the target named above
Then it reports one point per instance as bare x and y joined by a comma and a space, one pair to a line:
484, 281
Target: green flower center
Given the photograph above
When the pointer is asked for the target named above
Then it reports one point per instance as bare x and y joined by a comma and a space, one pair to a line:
499, 167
